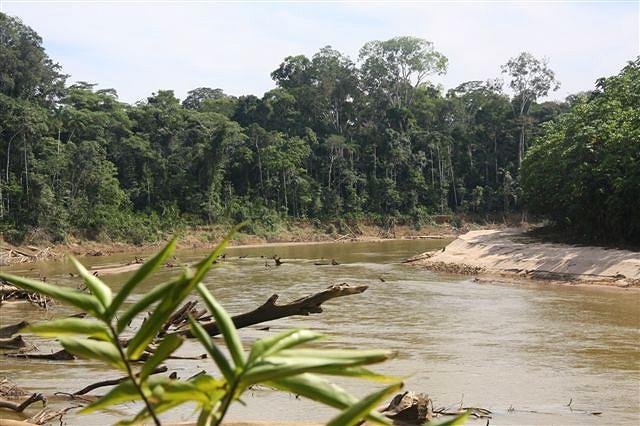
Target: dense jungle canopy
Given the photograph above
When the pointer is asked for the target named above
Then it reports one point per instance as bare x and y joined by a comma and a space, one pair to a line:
337, 139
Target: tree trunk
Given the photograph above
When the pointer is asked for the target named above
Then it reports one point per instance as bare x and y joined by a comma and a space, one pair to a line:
269, 311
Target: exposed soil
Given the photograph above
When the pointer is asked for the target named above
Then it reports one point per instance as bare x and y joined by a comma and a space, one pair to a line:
209, 237
511, 253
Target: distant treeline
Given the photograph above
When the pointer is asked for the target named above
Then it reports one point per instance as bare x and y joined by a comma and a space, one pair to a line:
336, 139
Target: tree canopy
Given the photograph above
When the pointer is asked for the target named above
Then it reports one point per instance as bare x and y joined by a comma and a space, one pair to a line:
335, 139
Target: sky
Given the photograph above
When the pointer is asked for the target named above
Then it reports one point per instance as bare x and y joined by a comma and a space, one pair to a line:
140, 47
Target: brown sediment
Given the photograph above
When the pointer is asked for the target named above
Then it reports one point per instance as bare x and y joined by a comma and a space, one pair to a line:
209, 237
510, 253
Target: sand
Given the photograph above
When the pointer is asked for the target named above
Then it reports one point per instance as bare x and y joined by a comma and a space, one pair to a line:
509, 252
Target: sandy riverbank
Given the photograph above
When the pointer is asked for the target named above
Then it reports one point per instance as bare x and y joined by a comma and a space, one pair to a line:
511, 253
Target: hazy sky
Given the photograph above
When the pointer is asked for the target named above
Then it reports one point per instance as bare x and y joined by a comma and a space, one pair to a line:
140, 47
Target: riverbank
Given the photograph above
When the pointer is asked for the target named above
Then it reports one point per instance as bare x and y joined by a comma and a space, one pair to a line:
209, 237
512, 253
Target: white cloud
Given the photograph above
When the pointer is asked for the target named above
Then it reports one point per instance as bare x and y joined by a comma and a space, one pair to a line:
142, 47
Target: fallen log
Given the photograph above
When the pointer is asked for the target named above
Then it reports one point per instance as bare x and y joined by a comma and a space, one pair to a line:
269, 311
15, 342
19, 408
61, 355
12, 329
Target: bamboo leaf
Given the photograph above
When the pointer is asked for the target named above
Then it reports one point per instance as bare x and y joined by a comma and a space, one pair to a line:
358, 356
212, 349
99, 289
179, 291
123, 392
320, 390
456, 421
93, 349
358, 411
70, 327
359, 373
277, 367
145, 270
271, 345
80, 300
225, 324
160, 315
150, 298
168, 345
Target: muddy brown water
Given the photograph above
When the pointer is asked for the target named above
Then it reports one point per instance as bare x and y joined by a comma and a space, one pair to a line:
521, 350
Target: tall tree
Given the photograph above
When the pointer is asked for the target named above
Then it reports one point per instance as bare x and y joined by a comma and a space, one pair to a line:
531, 78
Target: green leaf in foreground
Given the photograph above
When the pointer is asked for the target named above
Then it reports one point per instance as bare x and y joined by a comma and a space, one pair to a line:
212, 349
158, 317
456, 421
99, 289
225, 324
273, 344
70, 327
150, 298
167, 346
80, 300
358, 411
145, 270
316, 388
93, 349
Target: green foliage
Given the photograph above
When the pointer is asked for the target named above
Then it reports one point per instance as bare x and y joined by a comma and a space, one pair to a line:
335, 139
277, 361
584, 171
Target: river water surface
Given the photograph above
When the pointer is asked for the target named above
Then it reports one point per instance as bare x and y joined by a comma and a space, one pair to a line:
522, 351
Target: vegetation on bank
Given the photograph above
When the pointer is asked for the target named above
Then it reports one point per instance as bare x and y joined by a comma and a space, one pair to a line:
584, 173
336, 140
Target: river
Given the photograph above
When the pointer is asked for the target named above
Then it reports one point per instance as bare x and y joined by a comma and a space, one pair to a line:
522, 351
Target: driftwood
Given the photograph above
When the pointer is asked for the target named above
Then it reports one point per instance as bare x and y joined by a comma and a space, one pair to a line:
19, 408
61, 355
9, 292
113, 382
15, 342
269, 311
47, 415
12, 329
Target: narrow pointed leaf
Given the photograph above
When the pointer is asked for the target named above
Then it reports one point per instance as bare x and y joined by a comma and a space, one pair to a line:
93, 349
225, 324
99, 289
168, 345
179, 291
145, 270
456, 421
358, 411
359, 373
318, 389
356, 356
149, 329
70, 327
212, 349
276, 367
150, 298
123, 392
270, 345
80, 300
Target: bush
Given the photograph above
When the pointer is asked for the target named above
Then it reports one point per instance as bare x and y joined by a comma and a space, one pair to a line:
584, 172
